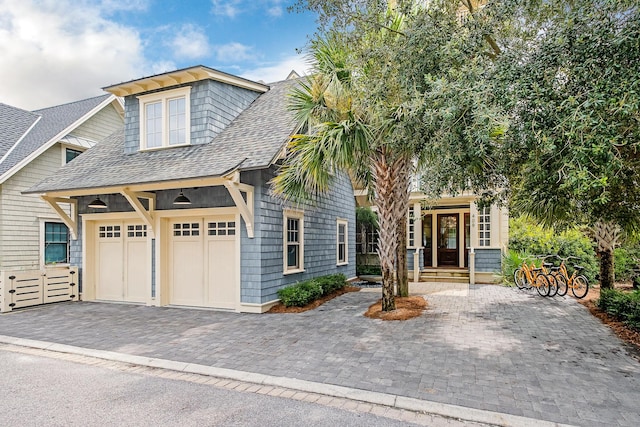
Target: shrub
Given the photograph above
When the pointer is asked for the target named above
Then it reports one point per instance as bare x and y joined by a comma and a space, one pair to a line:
624, 306
331, 283
305, 292
368, 270
625, 261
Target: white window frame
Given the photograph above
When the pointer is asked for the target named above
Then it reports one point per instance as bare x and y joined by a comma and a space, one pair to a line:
484, 227
345, 223
164, 98
43, 221
299, 215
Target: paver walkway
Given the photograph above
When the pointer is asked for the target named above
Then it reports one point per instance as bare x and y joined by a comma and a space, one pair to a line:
497, 349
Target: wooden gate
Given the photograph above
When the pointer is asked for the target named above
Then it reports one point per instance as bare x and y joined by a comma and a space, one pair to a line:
26, 288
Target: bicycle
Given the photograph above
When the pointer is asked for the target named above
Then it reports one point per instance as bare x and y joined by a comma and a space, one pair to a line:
529, 276
578, 283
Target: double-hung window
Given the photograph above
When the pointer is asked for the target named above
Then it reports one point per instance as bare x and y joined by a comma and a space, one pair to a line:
341, 243
165, 119
484, 226
56, 243
293, 241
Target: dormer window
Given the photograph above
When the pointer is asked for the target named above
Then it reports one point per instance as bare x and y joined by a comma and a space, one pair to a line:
165, 119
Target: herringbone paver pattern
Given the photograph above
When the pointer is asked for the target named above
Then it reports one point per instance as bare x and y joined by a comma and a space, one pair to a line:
497, 349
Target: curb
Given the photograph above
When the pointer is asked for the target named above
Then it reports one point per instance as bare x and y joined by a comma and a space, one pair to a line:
372, 397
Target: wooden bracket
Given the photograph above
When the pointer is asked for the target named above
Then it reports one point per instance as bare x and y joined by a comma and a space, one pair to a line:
71, 221
134, 200
246, 208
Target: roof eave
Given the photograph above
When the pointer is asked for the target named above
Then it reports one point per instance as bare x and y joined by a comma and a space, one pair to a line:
183, 76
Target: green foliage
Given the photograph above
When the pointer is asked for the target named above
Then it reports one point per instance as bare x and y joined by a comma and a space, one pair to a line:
528, 237
305, 292
366, 217
626, 260
624, 306
368, 270
513, 260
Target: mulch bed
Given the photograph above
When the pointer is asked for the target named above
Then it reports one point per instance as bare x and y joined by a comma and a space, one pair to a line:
623, 332
280, 308
406, 308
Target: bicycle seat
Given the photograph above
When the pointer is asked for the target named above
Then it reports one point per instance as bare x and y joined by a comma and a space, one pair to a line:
555, 268
537, 269
578, 267
547, 264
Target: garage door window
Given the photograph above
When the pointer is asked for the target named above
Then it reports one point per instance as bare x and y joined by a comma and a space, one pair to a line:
221, 228
136, 231
109, 231
186, 229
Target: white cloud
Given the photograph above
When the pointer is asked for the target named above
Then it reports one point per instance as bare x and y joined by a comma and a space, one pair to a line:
278, 71
190, 43
123, 5
228, 8
275, 10
60, 51
233, 52
232, 8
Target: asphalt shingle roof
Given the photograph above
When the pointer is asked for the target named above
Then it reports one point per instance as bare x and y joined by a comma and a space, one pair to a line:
14, 123
53, 120
251, 141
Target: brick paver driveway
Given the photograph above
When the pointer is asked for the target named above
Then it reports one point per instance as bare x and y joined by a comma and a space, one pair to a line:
497, 349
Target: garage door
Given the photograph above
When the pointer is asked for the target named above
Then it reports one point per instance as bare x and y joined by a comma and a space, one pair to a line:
202, 262
123, 263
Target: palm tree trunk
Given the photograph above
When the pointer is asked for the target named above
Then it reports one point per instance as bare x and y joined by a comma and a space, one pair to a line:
402, 195
386, 172
606, 236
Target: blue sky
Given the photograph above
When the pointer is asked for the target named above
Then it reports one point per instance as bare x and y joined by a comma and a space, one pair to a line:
56, 51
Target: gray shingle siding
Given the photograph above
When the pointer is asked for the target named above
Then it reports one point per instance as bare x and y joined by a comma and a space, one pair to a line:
214, 105
488, 260
262, 257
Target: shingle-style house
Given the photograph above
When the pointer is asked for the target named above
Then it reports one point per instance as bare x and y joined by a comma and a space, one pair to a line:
33, 146
177, 208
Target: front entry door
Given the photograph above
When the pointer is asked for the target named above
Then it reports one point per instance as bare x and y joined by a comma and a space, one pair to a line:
448, 240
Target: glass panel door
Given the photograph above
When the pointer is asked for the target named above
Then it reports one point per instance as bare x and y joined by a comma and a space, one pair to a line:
427, 240
448, 240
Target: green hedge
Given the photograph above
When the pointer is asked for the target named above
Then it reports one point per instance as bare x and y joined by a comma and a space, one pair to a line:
624, 306
305, 292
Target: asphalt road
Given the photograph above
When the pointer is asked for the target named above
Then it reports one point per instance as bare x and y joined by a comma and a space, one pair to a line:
41, 391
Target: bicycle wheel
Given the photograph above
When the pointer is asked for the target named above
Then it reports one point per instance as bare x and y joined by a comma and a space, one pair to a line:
580, 287
520, 278
553, 286
561, 281
542, 285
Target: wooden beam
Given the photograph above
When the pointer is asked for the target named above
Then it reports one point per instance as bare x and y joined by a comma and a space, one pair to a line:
134, 200
70, 221
246, 210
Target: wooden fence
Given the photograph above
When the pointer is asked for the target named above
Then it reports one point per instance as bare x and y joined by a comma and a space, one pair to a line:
26, 288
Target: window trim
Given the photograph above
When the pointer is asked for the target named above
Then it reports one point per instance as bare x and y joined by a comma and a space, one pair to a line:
164, 97
344, 222
42, 243
299, 215
484, 235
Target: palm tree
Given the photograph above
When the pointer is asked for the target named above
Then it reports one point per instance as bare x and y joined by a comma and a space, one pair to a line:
339, 133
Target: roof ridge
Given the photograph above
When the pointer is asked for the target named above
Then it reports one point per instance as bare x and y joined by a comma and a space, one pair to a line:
71, 103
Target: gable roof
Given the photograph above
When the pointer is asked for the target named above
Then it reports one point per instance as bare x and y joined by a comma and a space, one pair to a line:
14, 124
252, 141
48, 126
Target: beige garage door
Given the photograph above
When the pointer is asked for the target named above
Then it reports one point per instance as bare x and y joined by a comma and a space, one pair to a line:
123, 263
202, 262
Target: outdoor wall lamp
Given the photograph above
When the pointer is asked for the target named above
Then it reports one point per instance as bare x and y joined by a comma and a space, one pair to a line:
97, 204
